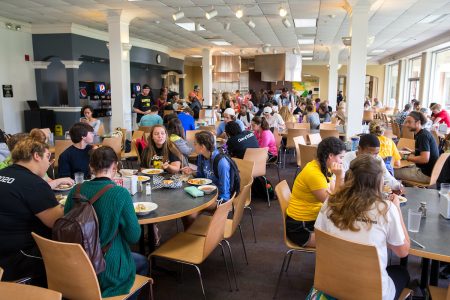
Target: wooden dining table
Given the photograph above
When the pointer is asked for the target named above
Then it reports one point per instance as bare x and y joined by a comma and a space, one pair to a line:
433, 235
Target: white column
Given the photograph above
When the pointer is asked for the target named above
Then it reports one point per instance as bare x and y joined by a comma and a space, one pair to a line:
357, 67
333, 74
207, 76
119, 68
425, 72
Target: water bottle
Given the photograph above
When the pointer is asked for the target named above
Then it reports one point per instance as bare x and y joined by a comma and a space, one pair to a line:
355, 143
148, 189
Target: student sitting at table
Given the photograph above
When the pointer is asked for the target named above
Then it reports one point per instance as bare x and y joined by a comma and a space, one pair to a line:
238, 140
118, 224
360, 213
311, 188
87, 117
312, 117
161, 153
176, 136
425, 153
76, 158
27, 205
228, 115
388, 150
265, 137
440, 115
370, 144
324, 115
273, 118
187, 119
151, 118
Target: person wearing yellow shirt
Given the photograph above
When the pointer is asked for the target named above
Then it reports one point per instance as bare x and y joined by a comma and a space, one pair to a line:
311, 188
388, 150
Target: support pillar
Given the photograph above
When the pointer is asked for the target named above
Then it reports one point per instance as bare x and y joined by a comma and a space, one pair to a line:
73, 85
357, 67
119, 68
333, 74
39, 70
207, 76
181, 84
425, 72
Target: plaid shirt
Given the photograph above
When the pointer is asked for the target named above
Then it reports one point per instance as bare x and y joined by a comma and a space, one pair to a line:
401, 117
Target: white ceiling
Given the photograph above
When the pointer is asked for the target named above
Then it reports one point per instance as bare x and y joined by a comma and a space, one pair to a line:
393, 23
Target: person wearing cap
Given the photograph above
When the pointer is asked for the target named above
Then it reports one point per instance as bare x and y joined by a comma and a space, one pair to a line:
228, 115
195, 105
143, 102
273, 118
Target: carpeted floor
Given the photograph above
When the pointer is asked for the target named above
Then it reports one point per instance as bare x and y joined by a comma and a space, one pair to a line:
258, 279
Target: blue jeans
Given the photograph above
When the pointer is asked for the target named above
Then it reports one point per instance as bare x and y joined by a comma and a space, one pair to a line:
142, 268
388, 163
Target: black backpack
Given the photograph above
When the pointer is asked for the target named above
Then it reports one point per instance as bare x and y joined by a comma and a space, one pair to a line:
80, 225
260, 188
235, 182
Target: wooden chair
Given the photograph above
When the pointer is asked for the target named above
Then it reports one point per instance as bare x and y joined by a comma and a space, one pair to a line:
145, 129
193, 249
60, 147
70, 271
434, 174
324, 133
439, 293
190, 138
101, 130
406, 133
168, 112
202, 114
299, 140
259, 157
307, 154
246, 172
10, 290
283, 193
137, 134
278, 142
406, 143
395, 129
115, 143
327, 126
210, 128
290, 140
353, 273
314, 138
367, 116
200, 226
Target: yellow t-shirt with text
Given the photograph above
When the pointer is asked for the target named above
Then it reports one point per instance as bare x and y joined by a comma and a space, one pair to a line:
303, 205
388, 148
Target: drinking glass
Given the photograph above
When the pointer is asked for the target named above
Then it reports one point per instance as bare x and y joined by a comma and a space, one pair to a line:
414, 218
445, 188
79, 177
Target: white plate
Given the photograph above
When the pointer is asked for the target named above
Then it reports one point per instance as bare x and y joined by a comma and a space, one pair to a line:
199, 181
149, 207
63, 189
152, 171
128, 172
402, 199
142, 178
207, 189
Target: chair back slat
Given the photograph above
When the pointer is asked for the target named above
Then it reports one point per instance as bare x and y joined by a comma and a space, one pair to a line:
307, 153
293, 133
438, 167
239, 204
60, 147
68, 269
10, 290
216, 228
115, 143
298, 140
314, 138
145, 129
406, 143
259, 157
137, 134
406, 133
324, 133
352, 273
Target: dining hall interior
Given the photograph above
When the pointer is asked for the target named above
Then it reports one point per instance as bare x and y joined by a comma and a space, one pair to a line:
225, 149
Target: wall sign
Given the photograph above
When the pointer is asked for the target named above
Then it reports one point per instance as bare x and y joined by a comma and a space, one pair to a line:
7, 90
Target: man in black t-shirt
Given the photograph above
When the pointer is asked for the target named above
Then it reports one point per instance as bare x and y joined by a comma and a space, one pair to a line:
27, 204
238, 140
143, 102
425, 153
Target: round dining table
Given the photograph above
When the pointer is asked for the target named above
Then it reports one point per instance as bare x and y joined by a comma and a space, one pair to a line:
432, 242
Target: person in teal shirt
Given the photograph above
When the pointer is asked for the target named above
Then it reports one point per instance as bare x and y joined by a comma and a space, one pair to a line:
152, 118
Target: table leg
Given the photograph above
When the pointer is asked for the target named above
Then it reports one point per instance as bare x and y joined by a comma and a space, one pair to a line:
434, 273
151, 238
142, 241
425, 273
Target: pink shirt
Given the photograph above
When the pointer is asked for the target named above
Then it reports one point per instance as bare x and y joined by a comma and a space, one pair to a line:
266, 139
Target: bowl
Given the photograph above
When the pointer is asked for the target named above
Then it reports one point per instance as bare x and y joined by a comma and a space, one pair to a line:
207, 189
128, 172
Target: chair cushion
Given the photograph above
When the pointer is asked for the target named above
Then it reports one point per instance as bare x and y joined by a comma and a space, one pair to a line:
200, 226
183, 247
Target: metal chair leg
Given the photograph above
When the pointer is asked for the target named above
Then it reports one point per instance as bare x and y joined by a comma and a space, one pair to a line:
289, 261
243, 244
278, 171
281, 274
201, 280
267, 191
226, 266
232, 264
253, 224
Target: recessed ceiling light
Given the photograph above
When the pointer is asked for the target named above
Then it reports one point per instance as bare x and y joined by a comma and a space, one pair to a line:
211, 14
251, 24
286, 23
190, 26
306, 75
305, 22
283, 12
226, 53
307, 58
178, 15
239, 13
196, 56
221, 43
369, 57
306, 41
432, 19
306, 51
378, 51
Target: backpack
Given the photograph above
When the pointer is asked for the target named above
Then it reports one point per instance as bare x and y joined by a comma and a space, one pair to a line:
235, 179
259, 188
80, 226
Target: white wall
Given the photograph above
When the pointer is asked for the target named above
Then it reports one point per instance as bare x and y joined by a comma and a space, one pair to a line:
18, 72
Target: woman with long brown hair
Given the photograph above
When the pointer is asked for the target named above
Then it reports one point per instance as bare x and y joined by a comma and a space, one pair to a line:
359, 212
160, 152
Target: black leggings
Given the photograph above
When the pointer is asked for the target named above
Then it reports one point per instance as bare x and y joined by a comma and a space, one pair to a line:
400, 277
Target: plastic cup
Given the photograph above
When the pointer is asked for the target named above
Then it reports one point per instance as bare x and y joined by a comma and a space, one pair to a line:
414, 218
445, 188
79, 177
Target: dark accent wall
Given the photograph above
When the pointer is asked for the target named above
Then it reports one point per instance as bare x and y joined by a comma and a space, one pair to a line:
255, 83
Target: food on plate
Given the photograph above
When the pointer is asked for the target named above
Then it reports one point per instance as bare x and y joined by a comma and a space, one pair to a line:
140, 208
207, 189
402, 199
152, 171
167, 182
387, 189
127, 172
197, 181
61, 199
64, 186
143, 178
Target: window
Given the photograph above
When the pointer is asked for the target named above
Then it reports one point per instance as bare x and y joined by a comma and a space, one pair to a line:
440, 78
414, 69
392, 80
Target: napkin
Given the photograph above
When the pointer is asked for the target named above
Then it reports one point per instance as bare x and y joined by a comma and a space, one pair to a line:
193, 191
